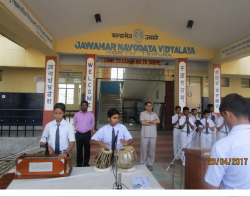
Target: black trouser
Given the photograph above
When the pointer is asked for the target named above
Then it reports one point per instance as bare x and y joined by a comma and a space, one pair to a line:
82, 139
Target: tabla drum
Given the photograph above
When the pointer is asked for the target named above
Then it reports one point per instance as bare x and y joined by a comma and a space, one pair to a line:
103, 160
126, 158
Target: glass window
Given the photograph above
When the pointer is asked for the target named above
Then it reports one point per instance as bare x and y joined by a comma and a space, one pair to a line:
195, 81
245, 83
224, 82
188, 81
66, 93
117, 73
79, 94
70, 78
62, 95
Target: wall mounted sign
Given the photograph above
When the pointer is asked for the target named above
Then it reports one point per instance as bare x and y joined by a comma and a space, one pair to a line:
130, 49
21, 12
236, 48
138, 36
126, 61
37, 79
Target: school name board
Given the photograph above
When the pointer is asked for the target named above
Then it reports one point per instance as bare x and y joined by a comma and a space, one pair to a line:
236, 48
130, 61
131, 49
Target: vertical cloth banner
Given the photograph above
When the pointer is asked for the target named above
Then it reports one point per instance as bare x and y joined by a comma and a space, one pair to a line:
182, 87
217, 87
217, 90
49, 89
89, 81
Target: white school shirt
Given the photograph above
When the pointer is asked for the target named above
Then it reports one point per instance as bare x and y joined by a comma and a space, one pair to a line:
203, 122
211, 115
220, 121
235, 145
66, 134
194, 118
104, 134
182, 120
174, 119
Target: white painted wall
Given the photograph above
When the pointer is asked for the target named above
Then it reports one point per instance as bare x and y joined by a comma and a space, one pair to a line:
150, 95
72, 59
135, 90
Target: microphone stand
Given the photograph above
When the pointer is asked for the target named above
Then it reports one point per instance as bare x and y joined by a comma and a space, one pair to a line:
172, 165
117, 185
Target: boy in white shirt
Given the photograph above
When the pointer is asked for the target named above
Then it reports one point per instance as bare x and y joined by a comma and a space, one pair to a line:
186, 126
213, 117
222, 128
195, 136
206, 129
176, 131
105, 136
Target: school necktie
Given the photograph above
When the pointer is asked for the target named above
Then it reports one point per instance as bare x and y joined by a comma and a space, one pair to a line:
113, 139
57, 146
226, 129
206, 128
188, 130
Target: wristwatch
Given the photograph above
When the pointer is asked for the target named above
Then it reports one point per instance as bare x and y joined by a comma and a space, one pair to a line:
66, 152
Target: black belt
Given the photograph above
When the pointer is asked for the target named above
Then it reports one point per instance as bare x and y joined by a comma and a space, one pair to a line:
83, 133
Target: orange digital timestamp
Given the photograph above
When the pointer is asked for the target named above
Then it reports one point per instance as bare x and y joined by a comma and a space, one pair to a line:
227, 161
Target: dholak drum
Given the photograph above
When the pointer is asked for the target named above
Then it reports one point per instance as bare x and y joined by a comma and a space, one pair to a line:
126, 159
103, 160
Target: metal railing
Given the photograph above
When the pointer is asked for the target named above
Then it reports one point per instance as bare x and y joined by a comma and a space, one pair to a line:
20, 120
131, 113
25, 122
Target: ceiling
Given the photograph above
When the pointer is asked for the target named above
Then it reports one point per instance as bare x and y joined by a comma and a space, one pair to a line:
216, 22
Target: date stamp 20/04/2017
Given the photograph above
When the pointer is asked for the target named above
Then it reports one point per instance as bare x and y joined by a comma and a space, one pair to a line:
227, 161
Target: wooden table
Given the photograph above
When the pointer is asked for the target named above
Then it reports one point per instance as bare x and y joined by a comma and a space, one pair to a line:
85, 178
